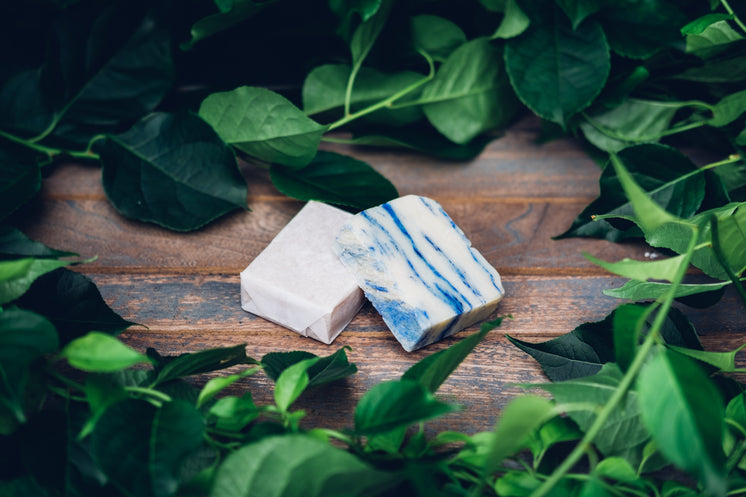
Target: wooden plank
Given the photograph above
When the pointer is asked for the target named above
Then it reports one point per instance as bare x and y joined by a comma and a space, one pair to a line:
514, 236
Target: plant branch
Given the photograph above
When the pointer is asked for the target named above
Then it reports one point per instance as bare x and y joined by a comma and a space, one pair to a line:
738, 21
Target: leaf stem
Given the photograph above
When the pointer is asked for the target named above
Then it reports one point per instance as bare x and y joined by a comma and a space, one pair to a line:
387, 102
626, 382
50, 152
735, 17
720, 255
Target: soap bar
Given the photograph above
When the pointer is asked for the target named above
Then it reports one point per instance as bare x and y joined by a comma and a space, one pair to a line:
418, 269
298, 282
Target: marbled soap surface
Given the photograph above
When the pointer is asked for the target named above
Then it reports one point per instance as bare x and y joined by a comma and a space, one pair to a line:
418, 269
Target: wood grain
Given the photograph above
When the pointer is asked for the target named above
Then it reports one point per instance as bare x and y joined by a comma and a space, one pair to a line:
510, 201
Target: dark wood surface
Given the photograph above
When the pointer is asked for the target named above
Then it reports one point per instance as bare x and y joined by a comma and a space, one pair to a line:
510, 201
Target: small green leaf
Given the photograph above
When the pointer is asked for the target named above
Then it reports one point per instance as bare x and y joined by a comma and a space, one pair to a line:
292, 382
394, 404
628, 324
329, 368
140, 448
295, 465
229, 15
73, 303
203, 361
436, 36
336, 179
725, 362
263, 124
434, 369
520, 418
17, 276
469, 94
514, 21
685, 414
14, 244
101, 392
652, 290
100, 353
367, 33
616, 468
216, 385
715, 38
234, 413
555, 70
172, 170
698, 26
728, 109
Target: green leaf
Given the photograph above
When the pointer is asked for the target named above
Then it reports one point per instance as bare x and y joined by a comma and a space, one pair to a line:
203, 361
294, 465
469, 94
555, 70
367, 33
17, 276
263, 124
335, 179
324, 91
19, 182
728, 109
24, 337
394, 404
110, 72
641, 29
234, 413
216, 385
100, 353
101, 392
623, 434
628, 324
235, 12
725, 362
698, 26
330, 368
713, 40
616, 468
73, 303
520, 418
422, 141
579, 10
436, 36
172, 170
141, 447
24, 110
685, 414
631, 122
661, 171
556, 430
663, 269
292, 382
14, 244
514, 22
653, 290
434, 369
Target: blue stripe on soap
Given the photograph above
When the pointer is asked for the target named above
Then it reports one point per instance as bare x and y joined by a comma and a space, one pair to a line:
418, 269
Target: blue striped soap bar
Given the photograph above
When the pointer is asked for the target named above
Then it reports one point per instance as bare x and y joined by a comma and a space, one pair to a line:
418, 269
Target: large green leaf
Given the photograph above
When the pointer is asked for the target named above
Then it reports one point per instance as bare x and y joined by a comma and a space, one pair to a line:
437, 36
295, 465
17, 276
653, 290
396, 404
336, 179
555, 70
172, 170
623, 434
434, 369
713, 40
263, 124
470, 93
640, 29
73, 303
685, 414
324, 91
110, 71
141, 448
660, 170
20, 179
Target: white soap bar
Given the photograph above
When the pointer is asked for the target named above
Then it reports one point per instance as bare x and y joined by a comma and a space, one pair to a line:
419, 270
298, 282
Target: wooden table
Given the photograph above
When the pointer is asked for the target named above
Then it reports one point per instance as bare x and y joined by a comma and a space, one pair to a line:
509, 201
